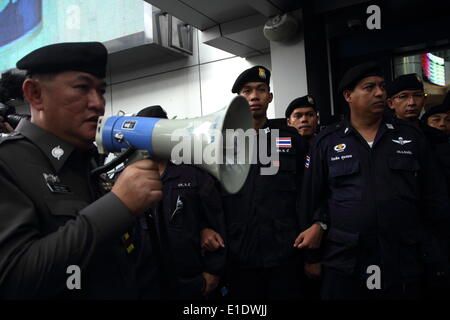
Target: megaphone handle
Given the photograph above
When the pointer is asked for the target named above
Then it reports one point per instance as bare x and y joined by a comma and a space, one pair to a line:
136, 156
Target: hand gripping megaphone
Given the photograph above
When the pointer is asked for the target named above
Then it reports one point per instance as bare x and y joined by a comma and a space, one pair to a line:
159, 138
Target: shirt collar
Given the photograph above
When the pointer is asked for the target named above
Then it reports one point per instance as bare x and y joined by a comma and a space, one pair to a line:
386, 125
55, 149
170, 172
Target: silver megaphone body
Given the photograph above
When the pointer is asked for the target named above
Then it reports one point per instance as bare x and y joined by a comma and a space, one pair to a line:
207, 142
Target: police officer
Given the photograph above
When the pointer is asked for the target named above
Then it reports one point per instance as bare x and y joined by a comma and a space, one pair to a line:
302, 114
262, 220
376, 186
191, 202
437, 117
407, 98
59, 238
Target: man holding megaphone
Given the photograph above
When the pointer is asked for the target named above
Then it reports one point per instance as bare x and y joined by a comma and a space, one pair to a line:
59, 238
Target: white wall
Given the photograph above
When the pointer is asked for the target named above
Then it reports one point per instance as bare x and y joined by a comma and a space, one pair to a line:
288, 70
201, 84
190, 87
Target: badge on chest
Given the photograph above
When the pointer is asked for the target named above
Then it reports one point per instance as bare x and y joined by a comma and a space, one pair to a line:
53, 183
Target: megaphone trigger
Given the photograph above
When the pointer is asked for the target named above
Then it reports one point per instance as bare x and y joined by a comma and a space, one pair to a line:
136, 156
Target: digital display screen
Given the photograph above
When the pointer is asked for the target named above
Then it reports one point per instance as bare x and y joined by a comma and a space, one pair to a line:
434, 68
26, 25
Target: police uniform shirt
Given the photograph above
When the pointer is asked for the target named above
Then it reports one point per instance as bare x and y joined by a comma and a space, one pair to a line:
50, 221
377, 200
262, 218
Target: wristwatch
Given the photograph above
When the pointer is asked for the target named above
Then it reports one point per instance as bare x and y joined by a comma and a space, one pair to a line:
322, 225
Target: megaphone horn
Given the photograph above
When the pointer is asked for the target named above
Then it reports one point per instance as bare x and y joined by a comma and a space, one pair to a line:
161, 139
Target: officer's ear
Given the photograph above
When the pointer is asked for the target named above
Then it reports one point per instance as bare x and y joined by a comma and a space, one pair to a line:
390, 103
347, 95
32, 92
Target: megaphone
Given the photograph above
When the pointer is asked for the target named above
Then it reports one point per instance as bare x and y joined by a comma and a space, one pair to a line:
156, 136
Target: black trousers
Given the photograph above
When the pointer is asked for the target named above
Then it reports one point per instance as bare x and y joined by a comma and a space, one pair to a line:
276, 283
339, 286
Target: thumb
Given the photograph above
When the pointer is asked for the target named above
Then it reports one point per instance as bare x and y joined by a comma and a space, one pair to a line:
220, 240
299, 239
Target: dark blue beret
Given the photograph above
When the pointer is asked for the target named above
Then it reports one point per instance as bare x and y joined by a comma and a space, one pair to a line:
254, 74
409, 81
356, 73
90, 57
305, 101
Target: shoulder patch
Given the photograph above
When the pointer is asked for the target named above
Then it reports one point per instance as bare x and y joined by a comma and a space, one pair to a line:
10, 137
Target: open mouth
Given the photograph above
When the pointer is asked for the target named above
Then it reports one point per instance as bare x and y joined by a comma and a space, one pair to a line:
93, 119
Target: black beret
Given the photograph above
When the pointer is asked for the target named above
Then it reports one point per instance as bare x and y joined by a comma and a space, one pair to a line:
302, 102
356, 73
152, 112
87, 57
404, 82
440, 108
254, 74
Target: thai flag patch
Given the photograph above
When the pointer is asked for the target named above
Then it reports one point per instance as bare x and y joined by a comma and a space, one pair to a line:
284, 142
307, 161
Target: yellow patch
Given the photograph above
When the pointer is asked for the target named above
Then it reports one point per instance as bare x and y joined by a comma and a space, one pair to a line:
262, 73
340, 147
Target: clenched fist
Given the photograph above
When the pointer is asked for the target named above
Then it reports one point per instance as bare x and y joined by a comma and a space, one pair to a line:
139, 186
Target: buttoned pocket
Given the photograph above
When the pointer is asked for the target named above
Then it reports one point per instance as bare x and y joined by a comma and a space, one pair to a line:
404, 178
345, 180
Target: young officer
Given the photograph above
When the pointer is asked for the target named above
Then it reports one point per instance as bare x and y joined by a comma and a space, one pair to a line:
302, 114
262, 219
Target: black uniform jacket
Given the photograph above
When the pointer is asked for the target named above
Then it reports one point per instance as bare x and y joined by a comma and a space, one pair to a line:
43, 232
190, 203
380, 203
262, 218
441, 147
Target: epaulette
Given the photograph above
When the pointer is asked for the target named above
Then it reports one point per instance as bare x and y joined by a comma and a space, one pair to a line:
10, 137
281, 124
328, 130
